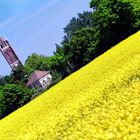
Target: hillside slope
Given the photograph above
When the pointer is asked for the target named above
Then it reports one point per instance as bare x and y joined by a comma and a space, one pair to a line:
100, 101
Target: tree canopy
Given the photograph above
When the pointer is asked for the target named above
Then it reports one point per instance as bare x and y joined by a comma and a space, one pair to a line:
83, 20
114, 20
81, 48
13, 96
36, 62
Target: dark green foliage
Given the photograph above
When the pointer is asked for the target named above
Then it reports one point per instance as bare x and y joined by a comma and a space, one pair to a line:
2, 103
19, 76
2, 81
81, 48
68, 53
114, 20
58, 62
84, 20
91, 34
36, 62
12, 97
9, 79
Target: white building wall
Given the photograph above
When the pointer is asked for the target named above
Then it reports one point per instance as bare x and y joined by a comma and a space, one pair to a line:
46, 80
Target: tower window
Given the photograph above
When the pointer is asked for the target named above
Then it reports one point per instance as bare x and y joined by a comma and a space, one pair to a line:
1, 46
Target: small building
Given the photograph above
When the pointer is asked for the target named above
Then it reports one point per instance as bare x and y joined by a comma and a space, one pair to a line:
39, 79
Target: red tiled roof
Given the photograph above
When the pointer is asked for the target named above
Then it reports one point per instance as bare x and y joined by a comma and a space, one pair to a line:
37, 75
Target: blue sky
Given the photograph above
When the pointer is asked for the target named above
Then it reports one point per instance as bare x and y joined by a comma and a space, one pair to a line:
34, 26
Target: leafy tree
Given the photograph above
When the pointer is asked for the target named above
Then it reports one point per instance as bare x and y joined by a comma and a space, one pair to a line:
58, 63
9, 79
84, 20
114, 20
2, 103
61, 59
12, 97
2, 81
19, 76
36, 62
82, 48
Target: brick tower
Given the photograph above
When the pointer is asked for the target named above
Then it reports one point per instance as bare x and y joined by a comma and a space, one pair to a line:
9, 54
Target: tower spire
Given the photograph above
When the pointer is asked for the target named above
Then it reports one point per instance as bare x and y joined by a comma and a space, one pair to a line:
9, 53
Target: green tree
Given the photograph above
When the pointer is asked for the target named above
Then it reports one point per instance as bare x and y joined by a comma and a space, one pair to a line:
83, 20
59, 64
13, 96
19, 76
2, 103
2, 81
114, 20
36, 62
82, 48
9, 79
62, 59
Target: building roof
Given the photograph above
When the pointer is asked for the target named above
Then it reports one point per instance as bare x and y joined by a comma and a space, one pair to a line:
37, 75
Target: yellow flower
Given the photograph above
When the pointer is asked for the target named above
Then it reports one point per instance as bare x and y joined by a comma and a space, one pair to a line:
100, 101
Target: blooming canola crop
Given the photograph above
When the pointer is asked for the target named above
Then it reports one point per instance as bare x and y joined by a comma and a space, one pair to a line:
101, 101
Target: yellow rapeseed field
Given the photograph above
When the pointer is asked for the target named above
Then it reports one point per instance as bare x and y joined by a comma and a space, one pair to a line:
101, 101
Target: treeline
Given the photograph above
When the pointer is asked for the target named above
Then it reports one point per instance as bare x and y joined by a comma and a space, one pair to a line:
86, 37
91, 34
